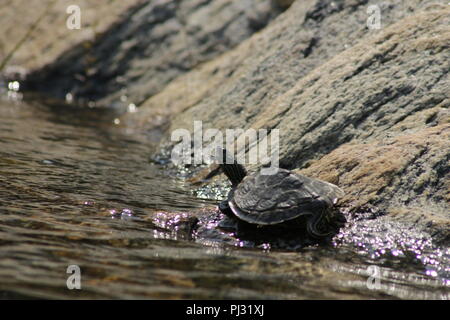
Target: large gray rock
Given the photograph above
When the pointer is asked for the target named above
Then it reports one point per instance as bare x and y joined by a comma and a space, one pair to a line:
155, 42
366, 109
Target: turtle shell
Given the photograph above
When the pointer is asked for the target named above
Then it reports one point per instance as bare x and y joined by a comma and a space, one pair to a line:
285, 195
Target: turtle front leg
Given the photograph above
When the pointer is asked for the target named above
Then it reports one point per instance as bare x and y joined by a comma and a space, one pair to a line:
229, 222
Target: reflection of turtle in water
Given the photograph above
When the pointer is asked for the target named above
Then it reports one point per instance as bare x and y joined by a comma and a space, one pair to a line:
282, 198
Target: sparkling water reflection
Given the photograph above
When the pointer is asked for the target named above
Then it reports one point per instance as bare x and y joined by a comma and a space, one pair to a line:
77, 189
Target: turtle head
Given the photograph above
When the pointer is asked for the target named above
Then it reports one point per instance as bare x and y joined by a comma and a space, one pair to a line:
234, 171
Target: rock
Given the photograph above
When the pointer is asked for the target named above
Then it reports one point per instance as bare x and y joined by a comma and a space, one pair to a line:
154, 43
407, 176
367, 109
364, 108
41, 34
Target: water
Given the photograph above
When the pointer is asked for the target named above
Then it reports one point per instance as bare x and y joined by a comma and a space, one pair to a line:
76, 189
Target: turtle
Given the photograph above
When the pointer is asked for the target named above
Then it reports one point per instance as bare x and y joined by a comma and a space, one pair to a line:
281, 198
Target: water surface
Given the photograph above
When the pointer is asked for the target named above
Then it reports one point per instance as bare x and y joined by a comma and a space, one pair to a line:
77, 189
